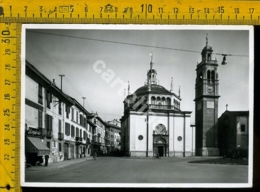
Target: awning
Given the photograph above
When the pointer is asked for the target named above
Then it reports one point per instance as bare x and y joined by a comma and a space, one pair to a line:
35, 145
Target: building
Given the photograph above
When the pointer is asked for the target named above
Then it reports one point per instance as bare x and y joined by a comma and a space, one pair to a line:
113, 135
233, 131
76, 142
206, 104
55, 123
154, 123
98, 134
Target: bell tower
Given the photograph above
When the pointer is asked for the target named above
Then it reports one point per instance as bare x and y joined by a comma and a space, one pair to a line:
206, 104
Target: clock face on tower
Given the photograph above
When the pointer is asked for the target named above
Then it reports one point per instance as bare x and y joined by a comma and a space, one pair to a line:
210, 89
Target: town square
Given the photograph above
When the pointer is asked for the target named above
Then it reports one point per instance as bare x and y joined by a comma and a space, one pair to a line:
140, 105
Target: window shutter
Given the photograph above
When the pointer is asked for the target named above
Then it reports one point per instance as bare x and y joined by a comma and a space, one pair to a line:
77, 132
50, 123
46, 122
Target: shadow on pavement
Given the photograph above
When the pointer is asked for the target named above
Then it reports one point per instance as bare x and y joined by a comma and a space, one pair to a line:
222, 161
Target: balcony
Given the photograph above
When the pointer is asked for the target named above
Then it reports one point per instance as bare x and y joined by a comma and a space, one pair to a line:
60, 136
78, 140
49, 134
96, 140
43, 132
88, 141
166, 107
107, 138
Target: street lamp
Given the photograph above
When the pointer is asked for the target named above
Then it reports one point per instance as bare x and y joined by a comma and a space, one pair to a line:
224, 61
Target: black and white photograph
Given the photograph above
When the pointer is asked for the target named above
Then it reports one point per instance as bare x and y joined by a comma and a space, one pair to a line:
137, 106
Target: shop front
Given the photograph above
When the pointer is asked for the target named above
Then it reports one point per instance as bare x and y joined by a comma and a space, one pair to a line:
35, 149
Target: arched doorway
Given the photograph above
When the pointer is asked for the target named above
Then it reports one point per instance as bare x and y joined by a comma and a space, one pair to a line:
160, 147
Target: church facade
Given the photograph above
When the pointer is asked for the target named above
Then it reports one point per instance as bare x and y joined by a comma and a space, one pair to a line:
153, 122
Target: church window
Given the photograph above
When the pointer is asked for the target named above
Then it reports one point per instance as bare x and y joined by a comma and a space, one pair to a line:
208, 74
212, 75
153, 100
140, 137
158, 100
179, 138
168, 100
209, 56
163, 101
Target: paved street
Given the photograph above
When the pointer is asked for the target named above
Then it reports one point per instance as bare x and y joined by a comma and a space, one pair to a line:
133, 170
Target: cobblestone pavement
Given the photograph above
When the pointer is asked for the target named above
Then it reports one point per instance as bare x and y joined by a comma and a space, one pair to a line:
139, 170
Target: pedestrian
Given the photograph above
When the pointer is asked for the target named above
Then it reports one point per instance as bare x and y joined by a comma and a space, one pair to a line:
94, 155
46, 160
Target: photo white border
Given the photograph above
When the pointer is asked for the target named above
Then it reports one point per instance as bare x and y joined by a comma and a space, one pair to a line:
137, 27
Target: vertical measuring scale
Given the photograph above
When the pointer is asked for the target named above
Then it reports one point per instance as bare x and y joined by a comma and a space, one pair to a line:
10, 73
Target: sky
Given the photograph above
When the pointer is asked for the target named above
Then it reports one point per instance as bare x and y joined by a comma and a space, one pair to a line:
74, 52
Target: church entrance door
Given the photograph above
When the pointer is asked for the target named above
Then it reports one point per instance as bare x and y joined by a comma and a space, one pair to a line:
160, 151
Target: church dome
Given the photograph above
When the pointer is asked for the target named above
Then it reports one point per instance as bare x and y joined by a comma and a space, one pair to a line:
155, 89
207, 47
152, 71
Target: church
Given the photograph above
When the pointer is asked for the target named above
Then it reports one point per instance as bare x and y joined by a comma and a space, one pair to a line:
153, 122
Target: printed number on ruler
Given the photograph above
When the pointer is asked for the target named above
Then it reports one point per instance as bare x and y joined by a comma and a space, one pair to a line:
139, 11
8, 104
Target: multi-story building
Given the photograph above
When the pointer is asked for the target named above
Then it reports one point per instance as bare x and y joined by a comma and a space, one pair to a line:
113, 135
98, 133
233, 127
76, 143
55, 123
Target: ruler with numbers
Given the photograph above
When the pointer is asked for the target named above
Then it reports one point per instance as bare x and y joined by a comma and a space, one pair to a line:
10, 106
234, 12
16, 12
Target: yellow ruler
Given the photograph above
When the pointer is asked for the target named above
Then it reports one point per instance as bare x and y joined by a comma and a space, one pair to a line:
10, 106
234, 12
16, 12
